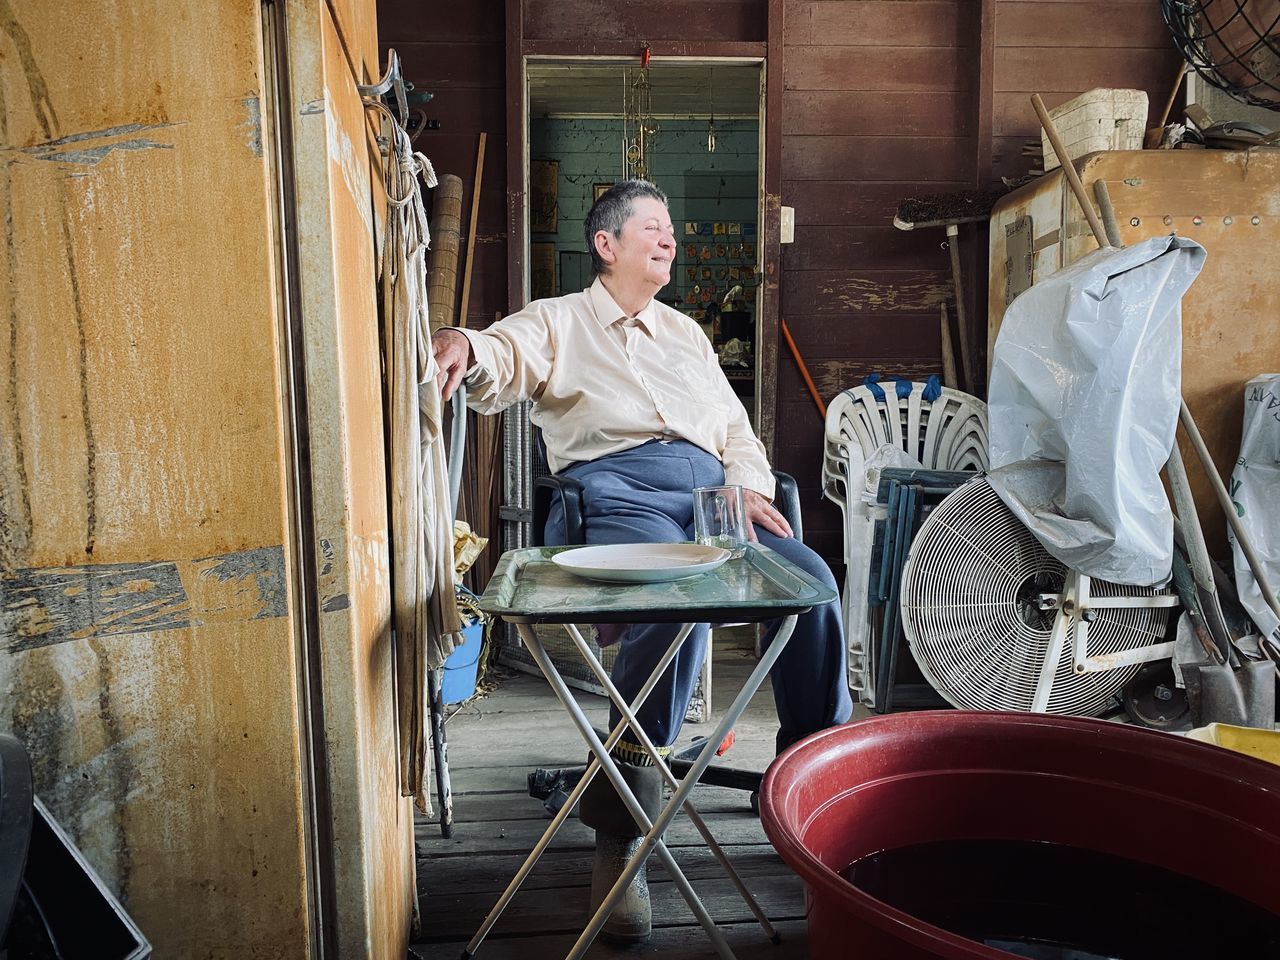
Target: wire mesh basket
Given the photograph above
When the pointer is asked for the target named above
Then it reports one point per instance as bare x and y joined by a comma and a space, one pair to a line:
1232, 44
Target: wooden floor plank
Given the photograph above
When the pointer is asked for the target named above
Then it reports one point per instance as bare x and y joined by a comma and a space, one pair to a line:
518, 805
492, 836
490, 873
451, 915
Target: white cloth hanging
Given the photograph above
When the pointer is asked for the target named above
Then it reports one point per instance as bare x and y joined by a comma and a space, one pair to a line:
425, 612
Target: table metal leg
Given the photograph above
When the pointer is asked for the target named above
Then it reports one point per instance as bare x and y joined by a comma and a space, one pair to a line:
563, 813
652, 842
653, 839
638, 731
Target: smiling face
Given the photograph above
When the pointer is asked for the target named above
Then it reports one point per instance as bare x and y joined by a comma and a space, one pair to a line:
645, 250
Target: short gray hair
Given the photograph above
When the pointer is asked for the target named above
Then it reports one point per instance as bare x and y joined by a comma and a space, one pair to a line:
612, 210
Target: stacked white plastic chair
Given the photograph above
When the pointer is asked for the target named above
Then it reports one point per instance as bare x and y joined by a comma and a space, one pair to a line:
948, 433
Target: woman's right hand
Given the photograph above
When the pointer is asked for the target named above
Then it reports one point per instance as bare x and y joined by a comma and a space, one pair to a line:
452, 351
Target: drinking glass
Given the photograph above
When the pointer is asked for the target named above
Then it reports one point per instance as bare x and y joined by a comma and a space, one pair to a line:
720, 518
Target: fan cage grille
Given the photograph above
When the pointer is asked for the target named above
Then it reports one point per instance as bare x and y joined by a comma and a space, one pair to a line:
968, 613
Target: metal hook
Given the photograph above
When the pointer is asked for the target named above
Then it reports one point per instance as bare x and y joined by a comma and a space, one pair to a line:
393, 81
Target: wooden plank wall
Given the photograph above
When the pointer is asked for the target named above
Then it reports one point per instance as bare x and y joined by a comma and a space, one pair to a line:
882, 100
1060, 49
456, 53
877, 105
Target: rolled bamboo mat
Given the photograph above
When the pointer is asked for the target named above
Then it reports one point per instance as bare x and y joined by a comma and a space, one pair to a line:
442, 263
481, 493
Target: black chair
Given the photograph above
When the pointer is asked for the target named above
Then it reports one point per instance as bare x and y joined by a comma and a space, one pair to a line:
553, 786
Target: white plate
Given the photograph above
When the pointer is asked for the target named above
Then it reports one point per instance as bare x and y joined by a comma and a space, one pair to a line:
641, 562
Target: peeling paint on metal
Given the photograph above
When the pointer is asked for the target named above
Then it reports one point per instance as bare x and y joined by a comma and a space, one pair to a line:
117, 131
252, 125
55, 605
51, 605
95, 155
332, 596
264, 566
90, 155
326, 557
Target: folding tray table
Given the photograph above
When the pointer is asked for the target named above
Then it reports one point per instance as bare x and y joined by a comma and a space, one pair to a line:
527, 588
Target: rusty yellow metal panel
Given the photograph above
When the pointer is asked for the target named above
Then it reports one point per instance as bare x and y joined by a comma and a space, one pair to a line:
1227, 201
357, 26
147, 620
337, 168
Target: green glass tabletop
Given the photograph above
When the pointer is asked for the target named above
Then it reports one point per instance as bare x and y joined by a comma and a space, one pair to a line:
528, 588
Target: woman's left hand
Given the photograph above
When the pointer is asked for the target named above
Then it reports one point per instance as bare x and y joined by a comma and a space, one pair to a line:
761, 511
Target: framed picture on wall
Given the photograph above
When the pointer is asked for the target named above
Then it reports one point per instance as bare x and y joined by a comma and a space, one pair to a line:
544, 195
542, 270
599, 190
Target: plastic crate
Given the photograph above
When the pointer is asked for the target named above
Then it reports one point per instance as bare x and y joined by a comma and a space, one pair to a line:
1101, 119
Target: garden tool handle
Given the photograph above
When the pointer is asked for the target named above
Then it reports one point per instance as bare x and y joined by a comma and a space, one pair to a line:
1228, 508
1198, 555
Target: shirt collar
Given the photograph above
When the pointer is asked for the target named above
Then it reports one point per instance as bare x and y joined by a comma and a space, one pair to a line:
608, 312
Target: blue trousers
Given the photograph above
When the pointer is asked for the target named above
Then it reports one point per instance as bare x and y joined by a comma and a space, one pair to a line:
644, 495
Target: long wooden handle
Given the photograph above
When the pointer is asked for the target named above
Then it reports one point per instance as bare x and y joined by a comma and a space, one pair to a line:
804, 370
471, 232
1177, 85
948, 351
1069, 169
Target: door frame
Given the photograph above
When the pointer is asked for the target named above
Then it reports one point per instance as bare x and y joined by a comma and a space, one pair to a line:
769, 54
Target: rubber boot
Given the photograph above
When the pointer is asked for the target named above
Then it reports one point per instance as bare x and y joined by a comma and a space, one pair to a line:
632, 919
617, 839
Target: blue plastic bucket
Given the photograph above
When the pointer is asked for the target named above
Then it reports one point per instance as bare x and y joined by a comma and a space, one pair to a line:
459, 680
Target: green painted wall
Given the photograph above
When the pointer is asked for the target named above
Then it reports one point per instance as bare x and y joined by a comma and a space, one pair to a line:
704, 189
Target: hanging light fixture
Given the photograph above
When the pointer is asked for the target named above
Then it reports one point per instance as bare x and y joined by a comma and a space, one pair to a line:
711, 123
638, 126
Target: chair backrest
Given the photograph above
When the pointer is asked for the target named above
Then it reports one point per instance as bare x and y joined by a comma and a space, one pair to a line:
948, 433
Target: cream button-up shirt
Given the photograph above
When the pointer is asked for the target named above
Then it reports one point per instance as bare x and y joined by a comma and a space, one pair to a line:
602, 382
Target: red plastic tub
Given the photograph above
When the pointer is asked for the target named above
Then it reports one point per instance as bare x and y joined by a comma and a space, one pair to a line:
893, 781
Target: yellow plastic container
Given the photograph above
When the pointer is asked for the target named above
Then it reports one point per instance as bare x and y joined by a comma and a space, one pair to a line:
1263, 744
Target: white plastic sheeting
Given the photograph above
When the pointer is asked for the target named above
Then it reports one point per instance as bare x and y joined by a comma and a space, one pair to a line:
1255, 493
1085, 389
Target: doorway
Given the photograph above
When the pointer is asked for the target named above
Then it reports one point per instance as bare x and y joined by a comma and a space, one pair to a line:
692, 126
